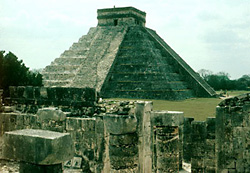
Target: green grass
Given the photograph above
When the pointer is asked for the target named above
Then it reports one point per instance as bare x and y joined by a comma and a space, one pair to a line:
198, 108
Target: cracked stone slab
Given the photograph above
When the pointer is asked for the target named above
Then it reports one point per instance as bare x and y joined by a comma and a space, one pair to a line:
40, 147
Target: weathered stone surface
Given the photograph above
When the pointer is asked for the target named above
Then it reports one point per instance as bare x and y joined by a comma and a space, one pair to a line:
168, 118
232, 134
187, 139
56, 96
104, 59
46, 114
126, 139
143, 112
120, 124
167, 140
38, 146
31, 168
1, 101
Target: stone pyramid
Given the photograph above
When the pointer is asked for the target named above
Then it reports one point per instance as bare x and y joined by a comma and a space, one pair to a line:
122, 58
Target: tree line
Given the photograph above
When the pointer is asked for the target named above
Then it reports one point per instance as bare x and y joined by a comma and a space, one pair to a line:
222, 81
13, 72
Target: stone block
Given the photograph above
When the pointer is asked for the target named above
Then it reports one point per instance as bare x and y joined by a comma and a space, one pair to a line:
119, 162
72, 123
127, 151
120, 124
88, 124
47, 114
237, 119
33, 168
167, 118
29, 92
199, 131
8, 109
197, 163
43, 93
38, 146
77, 162
13, 92
126, 139
209, 163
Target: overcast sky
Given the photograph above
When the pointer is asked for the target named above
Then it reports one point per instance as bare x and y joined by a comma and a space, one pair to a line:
207, 34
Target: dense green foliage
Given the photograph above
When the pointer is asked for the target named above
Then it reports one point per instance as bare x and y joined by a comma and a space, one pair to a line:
222, 81
13, 72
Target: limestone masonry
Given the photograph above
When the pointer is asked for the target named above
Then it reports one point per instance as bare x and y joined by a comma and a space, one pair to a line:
66, 126
120, 136
124, 59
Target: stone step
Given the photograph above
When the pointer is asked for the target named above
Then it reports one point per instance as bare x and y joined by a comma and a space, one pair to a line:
76, 52
124, 76
141, 59
166, 48
146, 85
141, 43
55, 83
102, 49
58, 76
80, 46
138, 42
150, 94
140, 52
61, 68
69, 61
142, 68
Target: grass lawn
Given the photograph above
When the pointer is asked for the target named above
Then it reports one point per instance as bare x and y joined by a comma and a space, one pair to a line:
198, 108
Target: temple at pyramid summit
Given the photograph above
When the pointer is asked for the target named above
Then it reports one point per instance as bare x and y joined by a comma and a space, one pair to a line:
121, 58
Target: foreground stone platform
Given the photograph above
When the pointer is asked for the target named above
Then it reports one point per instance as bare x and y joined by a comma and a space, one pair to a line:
39, 147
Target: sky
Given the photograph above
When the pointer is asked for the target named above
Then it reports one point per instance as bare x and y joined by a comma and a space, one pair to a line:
207, 34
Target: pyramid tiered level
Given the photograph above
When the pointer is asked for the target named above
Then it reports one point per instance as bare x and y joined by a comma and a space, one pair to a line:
122, 58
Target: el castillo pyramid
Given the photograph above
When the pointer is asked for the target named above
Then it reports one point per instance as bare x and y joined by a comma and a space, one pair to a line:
122, 58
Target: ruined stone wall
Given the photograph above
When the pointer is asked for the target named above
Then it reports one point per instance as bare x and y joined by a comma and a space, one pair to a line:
166, 137
56, 96
187, 139
199, 144
202, 146
83, 131
1, 101
233, 134
121, 143
123, 137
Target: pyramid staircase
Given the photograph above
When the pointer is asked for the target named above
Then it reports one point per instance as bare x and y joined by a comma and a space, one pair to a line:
86, 62
142, 71
184, 67
124, 59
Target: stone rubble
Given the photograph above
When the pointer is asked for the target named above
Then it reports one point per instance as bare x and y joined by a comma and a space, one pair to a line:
127, 136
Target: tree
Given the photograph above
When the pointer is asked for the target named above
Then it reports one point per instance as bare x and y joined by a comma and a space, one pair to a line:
204, 73
1, 67
243, 83
13, 72
221, 80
